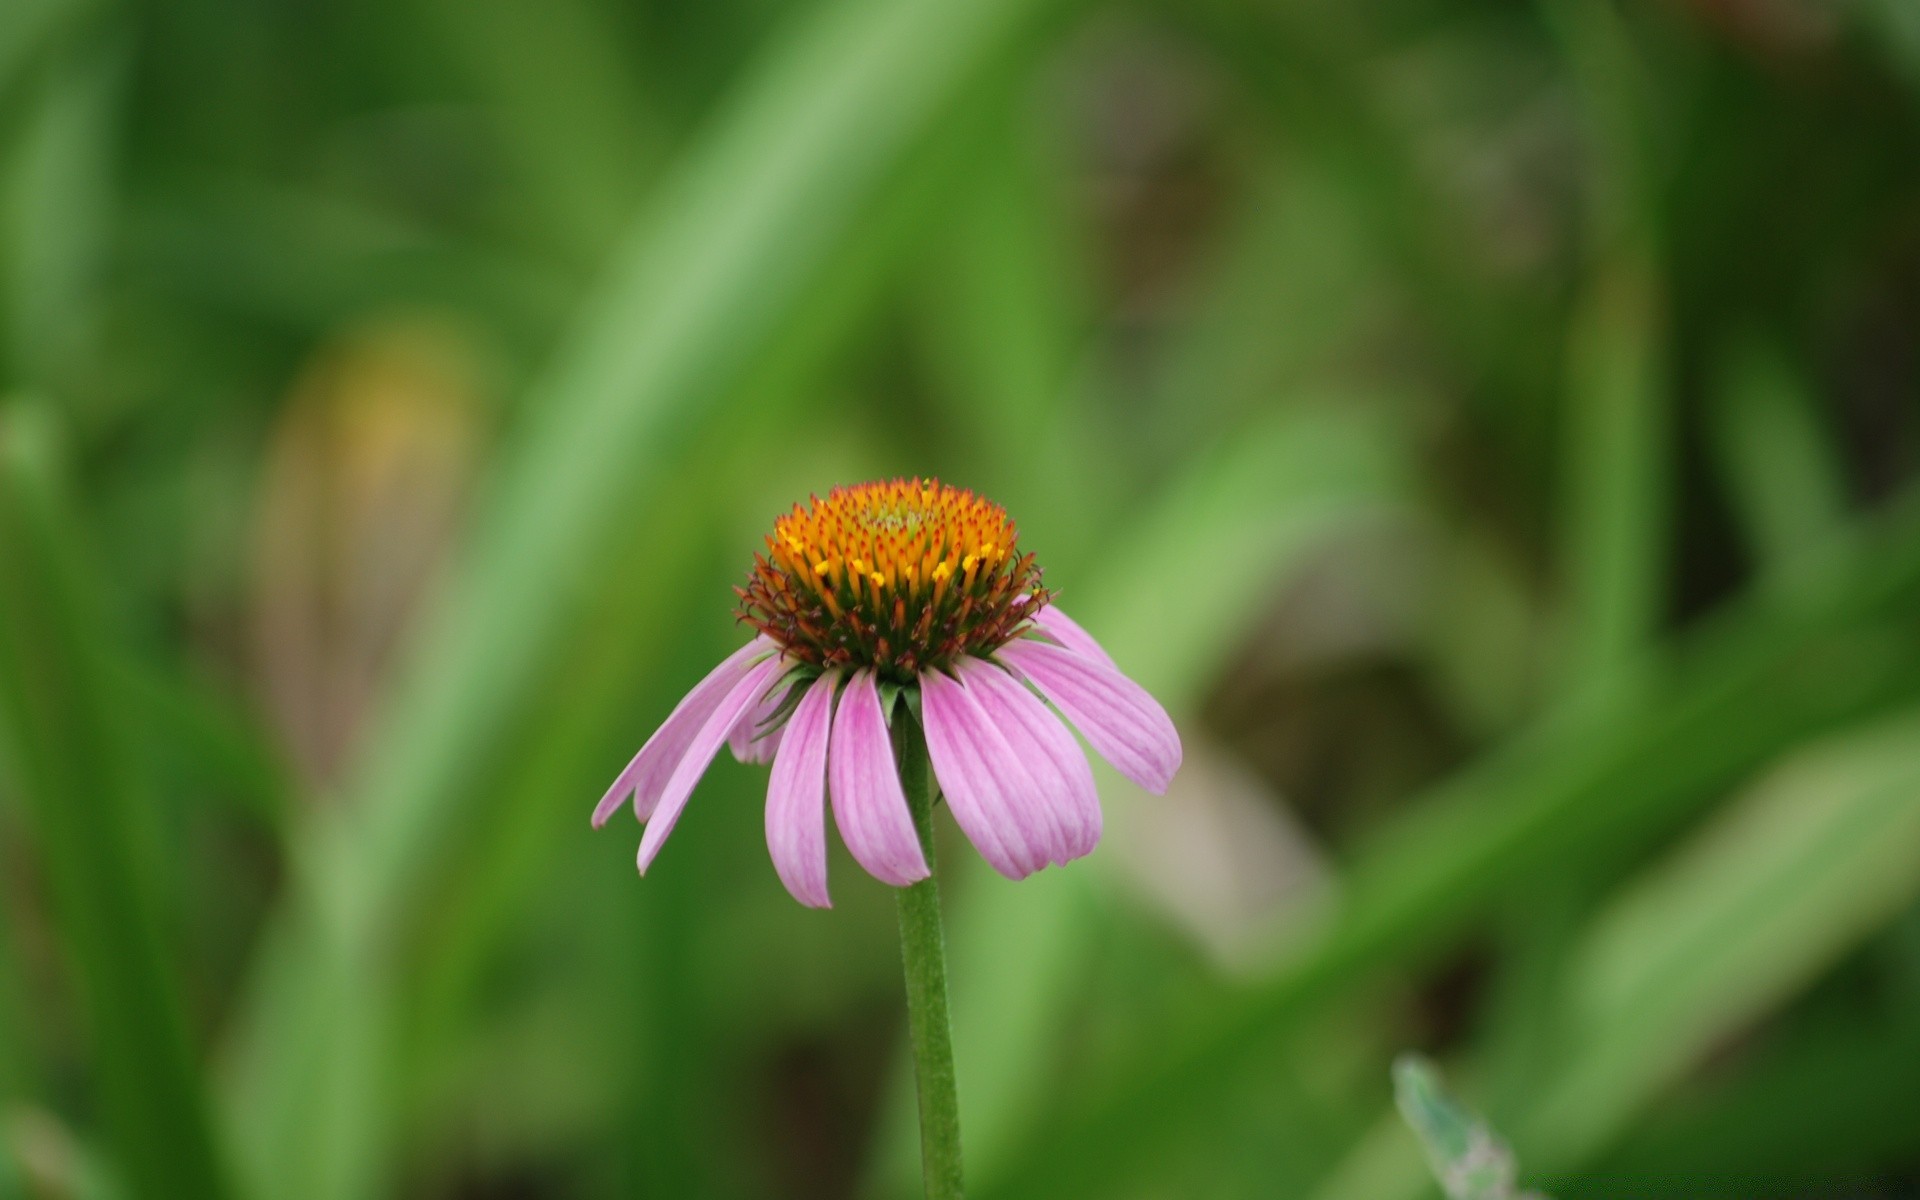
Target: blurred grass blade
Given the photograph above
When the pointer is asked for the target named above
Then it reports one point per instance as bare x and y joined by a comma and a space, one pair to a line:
1894, 27
1780, 467
67, 764
1617, 460
57, 204
1617, 450
27, 27
721, 265
1468, 1157
1612, 88
1821, 854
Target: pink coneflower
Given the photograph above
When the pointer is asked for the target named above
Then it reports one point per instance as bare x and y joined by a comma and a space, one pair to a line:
904, 601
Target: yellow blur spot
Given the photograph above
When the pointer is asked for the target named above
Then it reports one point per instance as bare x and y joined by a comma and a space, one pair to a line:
820, 568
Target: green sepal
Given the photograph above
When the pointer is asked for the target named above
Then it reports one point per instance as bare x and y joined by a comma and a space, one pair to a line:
892, 693
796, 679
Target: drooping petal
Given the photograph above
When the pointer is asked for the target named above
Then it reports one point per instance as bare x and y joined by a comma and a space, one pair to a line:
796, 796
1043, 743
1126, 725
750, 740
868, 803
700, 751
991, 791
646, 774
1065, 630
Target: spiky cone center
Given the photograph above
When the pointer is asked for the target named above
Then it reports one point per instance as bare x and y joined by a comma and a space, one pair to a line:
900, 576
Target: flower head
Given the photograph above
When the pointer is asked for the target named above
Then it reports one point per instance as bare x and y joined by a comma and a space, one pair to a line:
901, 589
897, 577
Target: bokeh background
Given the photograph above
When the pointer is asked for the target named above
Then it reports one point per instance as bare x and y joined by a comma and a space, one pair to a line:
1492, 429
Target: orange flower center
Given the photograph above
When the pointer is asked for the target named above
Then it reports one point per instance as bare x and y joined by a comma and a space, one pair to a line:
899, 576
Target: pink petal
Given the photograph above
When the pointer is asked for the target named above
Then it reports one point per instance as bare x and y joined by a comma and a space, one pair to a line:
867, 801
700, 751
797, 797
1127, 726
1047, 748
646, 775
750, 739
1065, 630
992, 791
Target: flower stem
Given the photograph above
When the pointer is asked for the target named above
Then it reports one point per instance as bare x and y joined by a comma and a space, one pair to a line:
923, 950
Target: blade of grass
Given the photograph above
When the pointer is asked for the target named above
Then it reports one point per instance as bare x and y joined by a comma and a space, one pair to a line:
28, 27
727, 256
1819, 855
1006, 314
67, 762
1778, 464
1616, 462
1617, 438
57, 204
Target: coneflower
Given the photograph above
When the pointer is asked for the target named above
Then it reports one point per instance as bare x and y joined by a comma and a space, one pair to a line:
900, 627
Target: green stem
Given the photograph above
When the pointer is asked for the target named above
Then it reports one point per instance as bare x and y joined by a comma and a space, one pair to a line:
924, 952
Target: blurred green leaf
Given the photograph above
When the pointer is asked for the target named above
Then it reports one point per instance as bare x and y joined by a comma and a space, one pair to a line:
1895, 27
1467, 1156
56, 195
68, 763
1820, 854
28, 27
1781, 468
1618, 463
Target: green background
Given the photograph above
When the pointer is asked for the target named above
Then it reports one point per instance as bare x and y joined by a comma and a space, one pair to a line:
1490, 428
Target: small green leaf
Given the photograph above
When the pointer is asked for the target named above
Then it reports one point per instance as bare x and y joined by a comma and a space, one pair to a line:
1468, 1157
